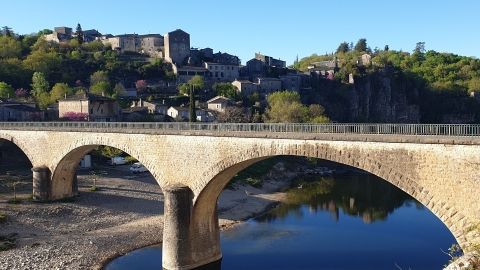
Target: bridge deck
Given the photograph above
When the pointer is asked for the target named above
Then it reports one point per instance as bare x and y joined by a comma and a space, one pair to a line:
395, 133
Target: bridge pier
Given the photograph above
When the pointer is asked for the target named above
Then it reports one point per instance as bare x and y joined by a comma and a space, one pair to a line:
181, 249
41, 183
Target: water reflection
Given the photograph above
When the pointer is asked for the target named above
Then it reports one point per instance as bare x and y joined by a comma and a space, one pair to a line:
355, 194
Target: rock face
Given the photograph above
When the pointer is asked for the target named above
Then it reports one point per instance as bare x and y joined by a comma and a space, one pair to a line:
384, 97
379, 97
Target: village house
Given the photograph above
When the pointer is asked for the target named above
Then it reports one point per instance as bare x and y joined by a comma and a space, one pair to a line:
185, 73
183, 114
269, 85
93, 107
245, 87
19, 111
219, 104
222, 72
151, 107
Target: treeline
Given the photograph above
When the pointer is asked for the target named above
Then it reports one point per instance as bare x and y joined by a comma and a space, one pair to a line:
74, 64
444, 81
441, 71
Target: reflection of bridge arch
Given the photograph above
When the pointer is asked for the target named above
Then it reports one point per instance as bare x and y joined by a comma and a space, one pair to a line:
66, 163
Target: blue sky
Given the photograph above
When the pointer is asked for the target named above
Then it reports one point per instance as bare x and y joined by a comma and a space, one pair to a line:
280, 28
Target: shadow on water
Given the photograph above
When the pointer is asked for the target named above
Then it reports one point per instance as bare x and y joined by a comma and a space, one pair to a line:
348, 221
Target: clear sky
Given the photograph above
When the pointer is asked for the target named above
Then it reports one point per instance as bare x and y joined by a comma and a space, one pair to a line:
279, 28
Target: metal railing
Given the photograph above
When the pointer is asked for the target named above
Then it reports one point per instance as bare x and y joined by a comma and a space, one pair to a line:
333, 128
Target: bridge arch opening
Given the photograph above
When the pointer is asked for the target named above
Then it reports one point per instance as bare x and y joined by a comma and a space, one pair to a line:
15, 172
205, 212
98, 161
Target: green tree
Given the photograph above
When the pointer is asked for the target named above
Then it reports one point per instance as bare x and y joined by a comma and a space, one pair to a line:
99, 76
192, 109
195, 83
42, 61
343, 48
44, 100
10, 48
59, 91
361, 45
225, 89
79, 34
285, 107
6, 91
119, 90
184, 89
316, 114
102, 88
7, 31
39, 84
110, 152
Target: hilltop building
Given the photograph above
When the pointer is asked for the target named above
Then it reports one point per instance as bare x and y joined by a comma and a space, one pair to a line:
177, 47
270, 61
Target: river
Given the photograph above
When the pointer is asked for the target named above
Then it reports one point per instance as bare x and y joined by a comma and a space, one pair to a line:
349, 221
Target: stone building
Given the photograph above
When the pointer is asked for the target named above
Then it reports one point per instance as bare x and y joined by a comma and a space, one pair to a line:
19, 111
269, 85
177, 47
185, 73
152, 44
291, 82
253, 69
218, 104
222, 72
183, 114
244, 87
60, 34
91, 35
270, 61
123, 43
225, 58
365, 59
95, 108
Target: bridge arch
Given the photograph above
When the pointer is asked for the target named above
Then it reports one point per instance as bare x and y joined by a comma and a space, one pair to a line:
204, 216
66, 163
23, 146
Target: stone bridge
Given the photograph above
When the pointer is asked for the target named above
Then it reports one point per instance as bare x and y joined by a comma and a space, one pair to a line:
439, 165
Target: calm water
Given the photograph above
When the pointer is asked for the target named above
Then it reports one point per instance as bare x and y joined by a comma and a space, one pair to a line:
354, 221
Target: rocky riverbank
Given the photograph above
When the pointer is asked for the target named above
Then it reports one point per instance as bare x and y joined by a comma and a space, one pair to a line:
123, 215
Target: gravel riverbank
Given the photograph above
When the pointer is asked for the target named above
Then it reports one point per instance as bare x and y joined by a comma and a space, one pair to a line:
123, 215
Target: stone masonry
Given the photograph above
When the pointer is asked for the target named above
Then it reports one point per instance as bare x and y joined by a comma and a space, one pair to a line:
192, 169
